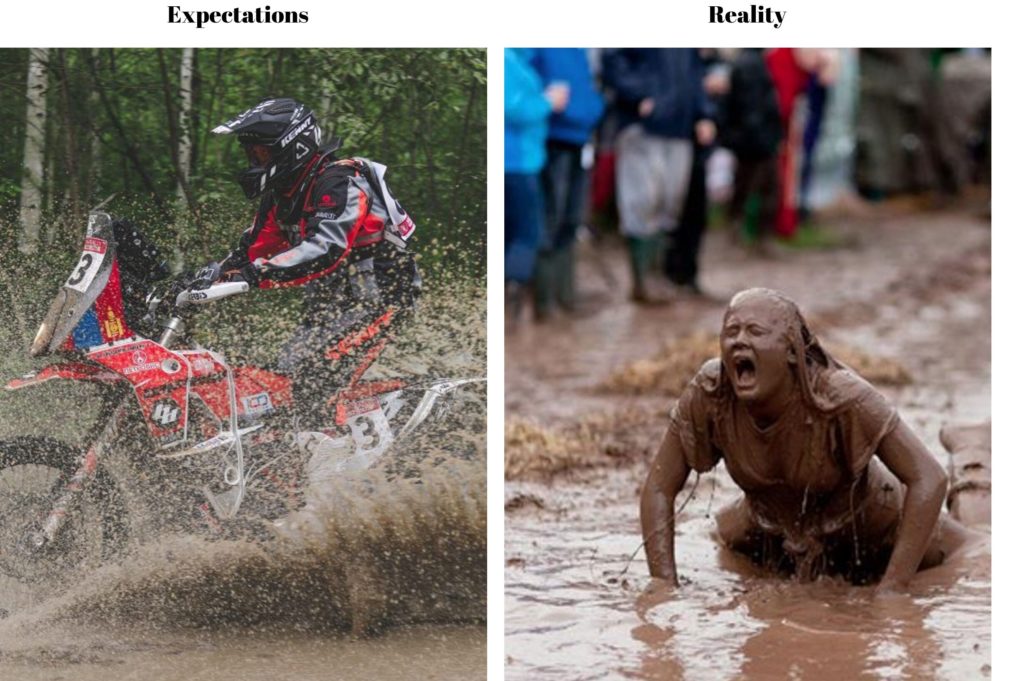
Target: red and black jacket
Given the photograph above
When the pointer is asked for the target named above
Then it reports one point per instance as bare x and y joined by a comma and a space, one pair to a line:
347, 209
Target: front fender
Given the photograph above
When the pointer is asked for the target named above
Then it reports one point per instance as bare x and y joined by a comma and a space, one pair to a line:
70, 371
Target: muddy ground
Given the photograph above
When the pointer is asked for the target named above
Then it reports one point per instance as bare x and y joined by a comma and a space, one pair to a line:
586, 404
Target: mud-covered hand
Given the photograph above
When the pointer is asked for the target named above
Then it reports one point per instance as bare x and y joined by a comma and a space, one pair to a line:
205, 276
656, 592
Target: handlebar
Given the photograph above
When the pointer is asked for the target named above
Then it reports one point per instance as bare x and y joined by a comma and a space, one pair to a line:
215, 292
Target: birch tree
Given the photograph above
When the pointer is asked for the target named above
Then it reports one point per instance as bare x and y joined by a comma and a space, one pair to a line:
35, 142
184, 122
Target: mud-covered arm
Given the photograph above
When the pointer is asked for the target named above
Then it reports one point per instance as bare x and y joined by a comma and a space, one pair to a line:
910, 461
657, 507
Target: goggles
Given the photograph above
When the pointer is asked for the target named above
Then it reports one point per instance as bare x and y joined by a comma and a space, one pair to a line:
257, 154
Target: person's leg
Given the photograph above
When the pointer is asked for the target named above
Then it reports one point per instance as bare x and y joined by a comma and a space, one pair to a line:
316, 377
681, 262
556, 179
734, 523
738, 532
344, 329
524, 219
672, 164
565, 236
817, 100
970, 472
674, 179
764, 183
742, 186
637, 190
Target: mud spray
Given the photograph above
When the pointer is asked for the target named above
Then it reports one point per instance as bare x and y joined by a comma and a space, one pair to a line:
382, 575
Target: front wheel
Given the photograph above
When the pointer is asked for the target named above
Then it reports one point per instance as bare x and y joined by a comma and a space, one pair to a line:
33, 471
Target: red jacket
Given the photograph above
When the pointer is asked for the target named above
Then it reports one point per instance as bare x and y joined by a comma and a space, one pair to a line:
347, 206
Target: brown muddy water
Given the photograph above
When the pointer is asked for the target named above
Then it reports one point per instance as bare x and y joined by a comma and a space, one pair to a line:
916, 290
422, 652
380, 585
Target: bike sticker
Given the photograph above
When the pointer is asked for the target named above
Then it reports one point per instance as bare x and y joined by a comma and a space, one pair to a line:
88, 264
170, 366
370, 431
254, 405
165, 413
362, 406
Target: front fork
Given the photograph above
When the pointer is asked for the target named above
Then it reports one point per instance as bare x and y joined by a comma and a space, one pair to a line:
83, 475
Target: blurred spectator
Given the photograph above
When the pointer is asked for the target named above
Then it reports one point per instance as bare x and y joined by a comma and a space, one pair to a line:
900, 126
527, 106
660, 103
682, 254
966, 102
790, 76
752, 130
824, 70
831, 179
564, 178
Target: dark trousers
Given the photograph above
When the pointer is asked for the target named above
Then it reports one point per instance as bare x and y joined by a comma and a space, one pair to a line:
347, 322
684, 241
564, 183
755, 177
524, 222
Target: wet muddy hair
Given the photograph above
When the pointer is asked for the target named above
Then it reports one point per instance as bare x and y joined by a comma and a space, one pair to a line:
811, 357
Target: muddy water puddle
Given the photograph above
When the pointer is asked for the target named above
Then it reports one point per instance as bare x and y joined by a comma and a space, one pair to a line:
576, 607
442, 653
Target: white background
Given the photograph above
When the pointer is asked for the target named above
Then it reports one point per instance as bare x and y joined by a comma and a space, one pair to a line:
683, 23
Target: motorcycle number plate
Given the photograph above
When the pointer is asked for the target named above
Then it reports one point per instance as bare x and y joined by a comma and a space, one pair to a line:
371, 431
88, 264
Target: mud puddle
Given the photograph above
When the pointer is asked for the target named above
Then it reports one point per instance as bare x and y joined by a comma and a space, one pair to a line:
573, 595
80, 653
915, 291
366, 586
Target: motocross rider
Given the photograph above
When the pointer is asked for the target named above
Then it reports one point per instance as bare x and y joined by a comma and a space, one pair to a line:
332, 226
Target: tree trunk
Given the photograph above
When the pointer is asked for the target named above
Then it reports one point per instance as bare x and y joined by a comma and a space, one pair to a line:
72, 162
460, 161
35, 139
95, 145
212, 111
185, 122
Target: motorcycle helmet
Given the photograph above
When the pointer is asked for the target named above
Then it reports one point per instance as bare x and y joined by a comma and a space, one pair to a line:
280, 137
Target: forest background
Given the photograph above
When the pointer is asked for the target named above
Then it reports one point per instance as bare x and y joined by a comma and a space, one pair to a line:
80, 125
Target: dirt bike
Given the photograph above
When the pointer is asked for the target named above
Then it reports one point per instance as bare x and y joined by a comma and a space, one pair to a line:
179, 424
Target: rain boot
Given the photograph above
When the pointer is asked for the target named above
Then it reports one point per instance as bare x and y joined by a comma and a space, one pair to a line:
545, 284
642, 255
565, 278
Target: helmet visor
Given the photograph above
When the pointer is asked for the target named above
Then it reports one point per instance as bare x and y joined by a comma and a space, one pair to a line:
257, 154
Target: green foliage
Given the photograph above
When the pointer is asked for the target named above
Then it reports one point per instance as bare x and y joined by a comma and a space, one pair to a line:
112, 128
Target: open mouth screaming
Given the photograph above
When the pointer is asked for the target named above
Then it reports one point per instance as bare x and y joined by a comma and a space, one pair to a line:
745, 370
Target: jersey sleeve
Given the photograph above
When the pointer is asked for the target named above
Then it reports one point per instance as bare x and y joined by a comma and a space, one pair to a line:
863, 420
691, 420
339, 210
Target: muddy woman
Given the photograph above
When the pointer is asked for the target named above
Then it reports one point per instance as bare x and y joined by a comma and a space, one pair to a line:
833, 481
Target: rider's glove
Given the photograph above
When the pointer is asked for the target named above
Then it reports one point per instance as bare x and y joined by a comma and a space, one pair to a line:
247, 273
235, 259
205, 276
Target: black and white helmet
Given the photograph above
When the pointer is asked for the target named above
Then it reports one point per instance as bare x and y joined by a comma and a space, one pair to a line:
280, 138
